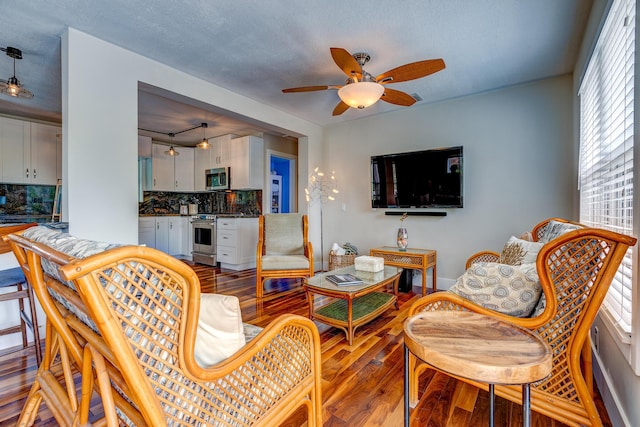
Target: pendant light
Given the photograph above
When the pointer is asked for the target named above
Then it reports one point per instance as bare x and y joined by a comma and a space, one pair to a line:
171, 151
204, 144
12, 86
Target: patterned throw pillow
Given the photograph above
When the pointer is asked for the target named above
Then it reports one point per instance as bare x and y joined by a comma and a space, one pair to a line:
509, 289
517, 251
555, 229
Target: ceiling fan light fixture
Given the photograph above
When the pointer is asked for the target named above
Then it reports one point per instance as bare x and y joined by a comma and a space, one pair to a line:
361, 94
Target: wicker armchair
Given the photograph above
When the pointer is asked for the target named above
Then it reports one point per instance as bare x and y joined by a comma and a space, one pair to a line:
284, 249
126, 319
575, 271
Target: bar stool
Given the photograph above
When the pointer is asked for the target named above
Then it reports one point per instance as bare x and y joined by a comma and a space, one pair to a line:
14, 277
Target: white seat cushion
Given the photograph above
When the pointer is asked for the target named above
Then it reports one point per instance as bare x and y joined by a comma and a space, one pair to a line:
283, 234
285, 262
220, 330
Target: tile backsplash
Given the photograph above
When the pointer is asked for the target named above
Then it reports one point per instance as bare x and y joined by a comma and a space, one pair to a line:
247, 202
19, 199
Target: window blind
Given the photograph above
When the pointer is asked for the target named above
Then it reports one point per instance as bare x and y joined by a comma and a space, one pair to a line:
606, 145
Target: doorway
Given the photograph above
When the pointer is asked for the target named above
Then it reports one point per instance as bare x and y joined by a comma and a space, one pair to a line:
282, 182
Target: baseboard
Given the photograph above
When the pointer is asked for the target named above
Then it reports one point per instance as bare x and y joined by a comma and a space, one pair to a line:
608, 393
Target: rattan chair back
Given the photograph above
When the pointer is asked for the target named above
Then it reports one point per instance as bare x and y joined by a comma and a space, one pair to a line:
127, 321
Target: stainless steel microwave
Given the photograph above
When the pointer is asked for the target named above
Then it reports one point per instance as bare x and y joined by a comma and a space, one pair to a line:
217, 179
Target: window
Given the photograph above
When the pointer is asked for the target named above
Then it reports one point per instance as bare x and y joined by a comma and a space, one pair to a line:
606, 147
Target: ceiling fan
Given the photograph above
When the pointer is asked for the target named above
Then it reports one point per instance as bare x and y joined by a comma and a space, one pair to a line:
363, 89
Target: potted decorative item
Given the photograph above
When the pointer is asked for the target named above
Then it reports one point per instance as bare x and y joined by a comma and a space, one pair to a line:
403, 235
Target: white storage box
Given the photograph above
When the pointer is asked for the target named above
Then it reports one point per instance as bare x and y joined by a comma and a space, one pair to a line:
372, 264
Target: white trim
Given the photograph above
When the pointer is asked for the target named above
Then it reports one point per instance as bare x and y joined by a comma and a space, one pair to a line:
293, 182
606, 386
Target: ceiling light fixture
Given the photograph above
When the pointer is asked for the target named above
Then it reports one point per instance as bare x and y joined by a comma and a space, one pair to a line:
13, 87
171, 151
204, 144
360, 94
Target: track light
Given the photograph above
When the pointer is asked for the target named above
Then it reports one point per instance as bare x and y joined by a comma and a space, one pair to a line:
12, 86
205, 142
171, 151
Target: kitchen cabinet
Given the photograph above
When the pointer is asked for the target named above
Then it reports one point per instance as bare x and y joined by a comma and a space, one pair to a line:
147, 231
247, 163
169, 234
30, 152
216, 156
183, 172
172, 173
237, 240
144, 146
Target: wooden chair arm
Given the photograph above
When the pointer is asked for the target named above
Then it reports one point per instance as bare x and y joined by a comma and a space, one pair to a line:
449, 301
483, 256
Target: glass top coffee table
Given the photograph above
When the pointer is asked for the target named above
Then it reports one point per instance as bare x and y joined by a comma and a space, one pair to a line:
350, 306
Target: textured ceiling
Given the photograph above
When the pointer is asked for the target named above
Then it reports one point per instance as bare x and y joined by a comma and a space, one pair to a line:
256, 48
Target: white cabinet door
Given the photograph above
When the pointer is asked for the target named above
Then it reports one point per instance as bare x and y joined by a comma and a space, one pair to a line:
147, 231
179, 232
220, 156
201, 162
162, 168
183, 173
162, 233
44, 154
15, 147
247, 163
144, 146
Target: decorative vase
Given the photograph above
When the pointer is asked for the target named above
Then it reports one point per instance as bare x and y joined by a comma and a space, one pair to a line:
402, 238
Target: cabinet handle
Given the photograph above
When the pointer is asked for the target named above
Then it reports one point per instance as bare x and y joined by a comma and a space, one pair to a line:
154, 182
158, 226
34, 174
176, 184
27, 172
171, 225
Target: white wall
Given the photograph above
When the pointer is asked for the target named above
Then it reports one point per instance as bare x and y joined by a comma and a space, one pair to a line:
100, 121
518, 170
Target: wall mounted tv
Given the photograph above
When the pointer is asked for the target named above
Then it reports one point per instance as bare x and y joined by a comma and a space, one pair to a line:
418, 179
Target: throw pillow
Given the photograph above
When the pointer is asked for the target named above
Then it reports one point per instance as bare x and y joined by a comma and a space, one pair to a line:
555, 229
509, 289
517, 251
220, 331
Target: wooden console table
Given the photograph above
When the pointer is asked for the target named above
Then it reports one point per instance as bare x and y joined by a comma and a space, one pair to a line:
412, 258
478, 347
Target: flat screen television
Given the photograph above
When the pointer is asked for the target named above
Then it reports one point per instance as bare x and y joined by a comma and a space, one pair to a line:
419, 179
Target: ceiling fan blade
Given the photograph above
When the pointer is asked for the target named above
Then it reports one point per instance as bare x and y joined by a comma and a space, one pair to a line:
397, 97
340, 108
414, 70
346, 62
305, 89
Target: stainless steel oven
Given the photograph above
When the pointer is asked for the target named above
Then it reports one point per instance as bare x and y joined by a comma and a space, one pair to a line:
203, 229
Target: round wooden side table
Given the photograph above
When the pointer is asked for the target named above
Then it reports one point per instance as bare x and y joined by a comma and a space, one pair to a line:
478, 347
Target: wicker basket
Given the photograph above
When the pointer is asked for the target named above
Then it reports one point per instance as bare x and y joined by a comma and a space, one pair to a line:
338, 261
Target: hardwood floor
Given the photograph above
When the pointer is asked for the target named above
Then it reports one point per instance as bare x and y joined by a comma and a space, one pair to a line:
362, 383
